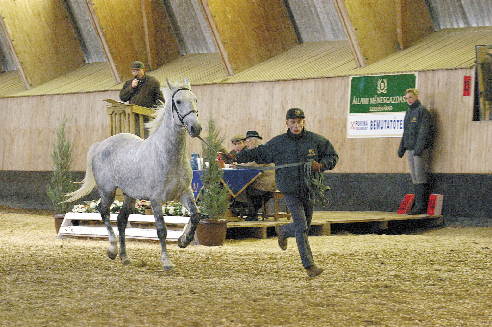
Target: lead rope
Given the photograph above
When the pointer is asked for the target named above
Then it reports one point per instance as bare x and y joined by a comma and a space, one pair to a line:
317, 190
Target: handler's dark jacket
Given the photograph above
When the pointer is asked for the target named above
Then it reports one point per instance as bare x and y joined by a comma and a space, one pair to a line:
417, 130
146, 94
290, 148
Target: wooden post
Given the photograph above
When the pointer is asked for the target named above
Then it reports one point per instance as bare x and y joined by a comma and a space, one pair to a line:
122, 117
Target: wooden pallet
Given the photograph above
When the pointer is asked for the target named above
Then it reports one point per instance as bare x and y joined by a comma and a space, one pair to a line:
140, 227
324, 221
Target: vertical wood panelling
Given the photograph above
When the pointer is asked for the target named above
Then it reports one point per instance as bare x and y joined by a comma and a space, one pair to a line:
461, 144
28, 134
41, 34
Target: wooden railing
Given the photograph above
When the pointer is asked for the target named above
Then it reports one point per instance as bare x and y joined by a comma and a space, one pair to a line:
128, 118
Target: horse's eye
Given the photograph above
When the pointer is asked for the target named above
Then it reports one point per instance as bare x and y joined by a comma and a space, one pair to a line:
178, 101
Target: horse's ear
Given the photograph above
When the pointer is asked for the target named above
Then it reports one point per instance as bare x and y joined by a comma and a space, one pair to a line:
187, 83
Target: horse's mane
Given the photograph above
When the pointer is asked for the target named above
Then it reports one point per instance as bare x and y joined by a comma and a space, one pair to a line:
160, 112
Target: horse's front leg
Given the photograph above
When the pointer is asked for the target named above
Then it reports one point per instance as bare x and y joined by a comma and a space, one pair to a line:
188, 201
126, 210
161, 232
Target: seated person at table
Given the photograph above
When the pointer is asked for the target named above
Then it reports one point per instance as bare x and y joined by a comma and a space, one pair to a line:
261, 190
238, 144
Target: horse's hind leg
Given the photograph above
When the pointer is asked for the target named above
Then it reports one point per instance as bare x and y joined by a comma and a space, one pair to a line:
161, 232
189, 233
126, 210
104, 209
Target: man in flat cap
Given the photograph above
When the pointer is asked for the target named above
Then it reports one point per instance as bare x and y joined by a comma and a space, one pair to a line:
238, 144
295, 146
142, 90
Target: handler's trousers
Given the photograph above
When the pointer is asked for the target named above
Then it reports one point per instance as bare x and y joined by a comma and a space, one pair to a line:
302, 213
418, 166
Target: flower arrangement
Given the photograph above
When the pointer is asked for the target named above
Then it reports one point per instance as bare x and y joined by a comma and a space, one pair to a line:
171, 208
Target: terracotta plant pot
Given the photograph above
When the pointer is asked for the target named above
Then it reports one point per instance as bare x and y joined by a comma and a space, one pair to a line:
58, 221
211, 232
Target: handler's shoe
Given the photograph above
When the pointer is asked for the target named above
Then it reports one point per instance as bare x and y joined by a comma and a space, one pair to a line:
282, 241
314, 271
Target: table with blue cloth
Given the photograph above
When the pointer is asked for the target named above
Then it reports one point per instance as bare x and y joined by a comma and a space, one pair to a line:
236, 180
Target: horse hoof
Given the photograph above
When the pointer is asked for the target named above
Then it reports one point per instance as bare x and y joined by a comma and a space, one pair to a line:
111, 254
182, 242
168, 267
125, 260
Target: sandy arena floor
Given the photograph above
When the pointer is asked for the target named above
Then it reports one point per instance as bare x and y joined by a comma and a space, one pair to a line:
440, 277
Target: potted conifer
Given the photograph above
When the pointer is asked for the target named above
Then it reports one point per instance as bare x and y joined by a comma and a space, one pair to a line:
61, 176
214, 199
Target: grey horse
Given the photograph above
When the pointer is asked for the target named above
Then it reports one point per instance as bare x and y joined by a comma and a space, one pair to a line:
155, 169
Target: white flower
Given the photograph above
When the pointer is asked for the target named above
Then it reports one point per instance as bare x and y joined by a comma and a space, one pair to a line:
80, 208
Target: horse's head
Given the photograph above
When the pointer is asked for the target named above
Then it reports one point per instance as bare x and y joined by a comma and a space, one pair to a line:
184, 107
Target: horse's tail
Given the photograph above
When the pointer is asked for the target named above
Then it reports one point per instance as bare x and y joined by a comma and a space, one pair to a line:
88, 183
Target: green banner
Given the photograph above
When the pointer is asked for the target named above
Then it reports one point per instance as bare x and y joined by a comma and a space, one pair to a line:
386, 93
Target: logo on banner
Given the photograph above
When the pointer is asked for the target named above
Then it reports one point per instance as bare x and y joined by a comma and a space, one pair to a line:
382, 86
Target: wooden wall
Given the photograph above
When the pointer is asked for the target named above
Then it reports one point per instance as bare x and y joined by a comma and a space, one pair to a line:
462, 146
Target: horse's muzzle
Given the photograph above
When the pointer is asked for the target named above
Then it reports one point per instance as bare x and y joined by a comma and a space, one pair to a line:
195, 130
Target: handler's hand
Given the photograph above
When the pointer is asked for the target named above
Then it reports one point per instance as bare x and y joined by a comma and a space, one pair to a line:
316, 166
228, 157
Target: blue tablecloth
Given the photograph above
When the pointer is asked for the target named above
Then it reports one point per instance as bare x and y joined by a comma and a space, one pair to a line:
236, 180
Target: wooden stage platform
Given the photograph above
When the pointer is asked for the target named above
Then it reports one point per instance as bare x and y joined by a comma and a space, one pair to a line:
142, 227
332, 222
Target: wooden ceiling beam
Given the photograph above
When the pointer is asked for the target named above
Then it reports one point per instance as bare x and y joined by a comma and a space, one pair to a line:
413, 21
249, 32
10, 47
350, 33
39, 36
132, 30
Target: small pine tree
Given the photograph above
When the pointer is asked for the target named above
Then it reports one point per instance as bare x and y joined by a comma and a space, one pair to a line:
61, 176
214, 198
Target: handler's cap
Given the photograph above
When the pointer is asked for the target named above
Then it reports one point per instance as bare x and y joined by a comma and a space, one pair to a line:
294, 112
138, 65
236, 138
253, 134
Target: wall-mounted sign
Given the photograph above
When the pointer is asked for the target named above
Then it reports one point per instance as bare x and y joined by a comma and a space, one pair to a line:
466, 86
377, 105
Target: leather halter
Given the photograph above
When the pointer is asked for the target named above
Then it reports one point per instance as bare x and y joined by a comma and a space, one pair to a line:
175, 109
